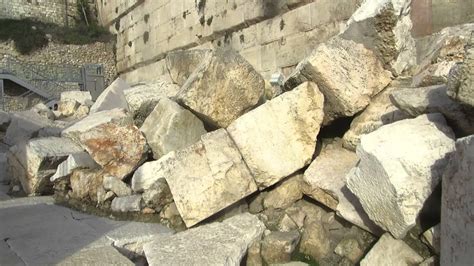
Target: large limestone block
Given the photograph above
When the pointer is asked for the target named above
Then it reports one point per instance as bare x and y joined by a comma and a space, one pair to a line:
86, 185
434, 99
118, 149
5, 119
73, 162
181, 64
379, 112
170, 127
326, 182
112, 97
205, 177
116, 116
385, 27
390, 251
461, 80
400, 165
24, 126
223, 243
284, 194
222, 88
33, 162
347, 73
143, 98
457, 207
279, 137
82, 97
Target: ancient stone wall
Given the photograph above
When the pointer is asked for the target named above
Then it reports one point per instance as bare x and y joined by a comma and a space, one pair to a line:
271, 35
52, 11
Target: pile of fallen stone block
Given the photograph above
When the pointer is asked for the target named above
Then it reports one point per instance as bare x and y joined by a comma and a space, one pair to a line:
251, 178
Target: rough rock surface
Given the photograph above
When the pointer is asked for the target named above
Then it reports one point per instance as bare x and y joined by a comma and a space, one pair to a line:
34, 162
385, 28
82, 97
279, 137
43, 110
222, 88
118, 149
112, 97
5, 119
182, 64
461, 80
284, 194
400, 165
205, 177
379, 112
24, 126
325, 182
347, 73
158, 195
277, 247
434, 99
116, 116
127, 204
143, 98
390, 251
86, 185
457, 208
223, 243
73, 162
117, 186
170, 127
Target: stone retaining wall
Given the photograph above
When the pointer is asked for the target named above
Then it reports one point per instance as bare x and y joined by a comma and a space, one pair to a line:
51, 11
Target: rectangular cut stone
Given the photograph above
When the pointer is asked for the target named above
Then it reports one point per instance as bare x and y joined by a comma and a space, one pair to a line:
279, 137
206, 177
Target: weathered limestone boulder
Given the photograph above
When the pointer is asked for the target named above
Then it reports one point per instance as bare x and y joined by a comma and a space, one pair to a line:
326, 182
82, 97
43, 110
385, 28
461, 80
432, 238
157, 195
115, 116
284, 194
117, 186
253, 254
434, 99
457, 208
143, 98
170, 127
146, 175
73, 162
408, 158
112, 97
279, 137
86, 185
35, 161
390, 251
118, 149
379, 112
127, 204
182, 64
277, 247
434, 74
223, 243
205, 177
222, 88
24, 126
347, 73
68, 108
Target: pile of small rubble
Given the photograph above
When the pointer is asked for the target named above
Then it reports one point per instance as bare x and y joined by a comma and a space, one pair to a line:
204, 149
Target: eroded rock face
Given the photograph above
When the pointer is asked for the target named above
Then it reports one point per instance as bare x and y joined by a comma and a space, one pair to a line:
205, 177
73, 162
379, 112
390, 251
170, 127
285, 194
223, 243
82, 97
434, 99
277, 247
279, 137
127, 204
222, 88
35, 161
118, 149
143, 98
24, 126
182, 64
347, 73
457, 209
86, 185
112, 97
385, 28
461, 80
400, 165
